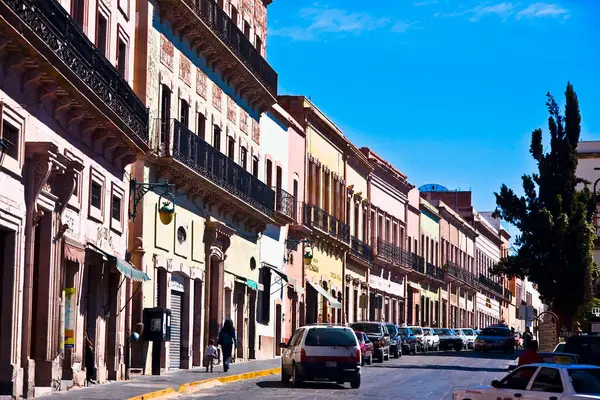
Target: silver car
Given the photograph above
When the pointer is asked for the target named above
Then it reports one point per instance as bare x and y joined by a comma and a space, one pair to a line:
468, 336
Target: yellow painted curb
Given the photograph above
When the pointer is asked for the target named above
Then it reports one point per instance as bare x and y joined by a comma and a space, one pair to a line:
231, 378
153, 395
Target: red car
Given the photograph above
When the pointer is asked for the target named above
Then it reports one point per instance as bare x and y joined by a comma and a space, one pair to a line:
366, 348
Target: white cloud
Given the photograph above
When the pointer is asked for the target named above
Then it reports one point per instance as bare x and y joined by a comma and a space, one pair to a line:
541, 10
505, 10
424, 3
402, 26
319, 20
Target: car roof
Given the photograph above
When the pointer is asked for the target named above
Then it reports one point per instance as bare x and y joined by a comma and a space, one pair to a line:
563, 366
326, 326
368, 322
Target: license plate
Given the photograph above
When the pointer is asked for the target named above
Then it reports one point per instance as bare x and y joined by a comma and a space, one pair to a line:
330, 364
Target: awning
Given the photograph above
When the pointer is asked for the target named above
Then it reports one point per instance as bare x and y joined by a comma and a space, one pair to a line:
74, 251
279, 272
248, 282
415, 286
332, 301
125, 268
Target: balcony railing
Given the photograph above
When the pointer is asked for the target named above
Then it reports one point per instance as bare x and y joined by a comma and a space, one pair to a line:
457, 272
434, 271
361, 249
490, 284
418, 263
189, 149
55, 27
285, 203
234, 38
319, 218
385, 250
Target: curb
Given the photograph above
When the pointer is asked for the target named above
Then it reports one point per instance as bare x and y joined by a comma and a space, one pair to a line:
225, 379
154, 395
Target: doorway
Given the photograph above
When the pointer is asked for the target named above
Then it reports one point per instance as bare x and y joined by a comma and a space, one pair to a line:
239, 292
7, 264
278, 329
252, 325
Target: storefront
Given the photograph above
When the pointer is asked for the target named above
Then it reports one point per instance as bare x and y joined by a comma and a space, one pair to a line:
387, 296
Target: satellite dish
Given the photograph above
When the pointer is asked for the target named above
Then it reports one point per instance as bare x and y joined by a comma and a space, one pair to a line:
433, 187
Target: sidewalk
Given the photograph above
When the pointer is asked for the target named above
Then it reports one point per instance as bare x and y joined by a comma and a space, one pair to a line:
143, 384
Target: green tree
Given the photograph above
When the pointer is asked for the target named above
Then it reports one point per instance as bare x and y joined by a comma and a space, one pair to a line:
556, 221
585, 312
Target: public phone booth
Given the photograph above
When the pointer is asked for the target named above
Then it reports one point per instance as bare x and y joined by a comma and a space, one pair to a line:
157, 329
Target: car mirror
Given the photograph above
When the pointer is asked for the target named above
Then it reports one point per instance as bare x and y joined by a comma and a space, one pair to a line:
496, 384
283, 345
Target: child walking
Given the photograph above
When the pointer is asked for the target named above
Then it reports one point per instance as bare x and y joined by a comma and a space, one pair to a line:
210, 354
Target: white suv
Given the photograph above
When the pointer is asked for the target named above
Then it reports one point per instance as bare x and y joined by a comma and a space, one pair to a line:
418, 331
431, 338
321, 352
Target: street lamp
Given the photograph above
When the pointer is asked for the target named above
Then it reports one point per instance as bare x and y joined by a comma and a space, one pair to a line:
138, 190
292, 244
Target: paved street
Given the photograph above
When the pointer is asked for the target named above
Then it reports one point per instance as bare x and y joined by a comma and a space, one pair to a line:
422, 377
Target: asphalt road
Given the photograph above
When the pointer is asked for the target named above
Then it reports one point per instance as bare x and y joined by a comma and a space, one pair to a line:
428, 376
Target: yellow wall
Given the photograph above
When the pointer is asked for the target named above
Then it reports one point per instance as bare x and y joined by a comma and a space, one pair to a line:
359, 182
325, 265
325, 151
238, 258
430, 227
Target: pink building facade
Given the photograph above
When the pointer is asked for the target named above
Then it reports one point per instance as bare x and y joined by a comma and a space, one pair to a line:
72, 126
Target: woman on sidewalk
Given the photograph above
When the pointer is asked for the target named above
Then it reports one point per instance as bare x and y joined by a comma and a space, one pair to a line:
228, 341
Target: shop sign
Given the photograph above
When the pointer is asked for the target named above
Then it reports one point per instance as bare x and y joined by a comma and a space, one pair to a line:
335, 276
313, 267
72, 219
69, 333
177, 283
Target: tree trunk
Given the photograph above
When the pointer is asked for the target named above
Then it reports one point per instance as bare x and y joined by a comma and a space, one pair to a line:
565, 318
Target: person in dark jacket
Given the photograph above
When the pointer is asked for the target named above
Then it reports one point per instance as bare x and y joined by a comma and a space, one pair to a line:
227, 340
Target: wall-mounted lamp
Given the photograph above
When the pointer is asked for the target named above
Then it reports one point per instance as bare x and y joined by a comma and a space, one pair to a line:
292, 244
166, 201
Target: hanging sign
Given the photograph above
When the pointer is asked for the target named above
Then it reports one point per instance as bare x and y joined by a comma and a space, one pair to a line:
69, 340
547, 331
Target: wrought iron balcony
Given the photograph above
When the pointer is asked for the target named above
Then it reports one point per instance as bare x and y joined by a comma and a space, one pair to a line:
199, 156
490, 284
285, 205
361, 249
63, 36
418, 263
434, 271
316, 217
211, 31
385, 250
452, 269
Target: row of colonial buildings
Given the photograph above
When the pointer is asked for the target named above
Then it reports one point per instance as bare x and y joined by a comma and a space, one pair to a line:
147, 160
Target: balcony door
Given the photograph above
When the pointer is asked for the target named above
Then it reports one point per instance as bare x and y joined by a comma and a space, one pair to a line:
165, 112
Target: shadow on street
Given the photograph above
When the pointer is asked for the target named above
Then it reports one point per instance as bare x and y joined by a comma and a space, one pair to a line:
303, 385
442, 367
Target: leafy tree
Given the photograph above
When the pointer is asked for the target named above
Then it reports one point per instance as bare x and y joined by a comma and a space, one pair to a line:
557, 234
585, 312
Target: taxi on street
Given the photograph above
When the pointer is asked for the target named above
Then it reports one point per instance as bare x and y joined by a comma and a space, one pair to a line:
540, 381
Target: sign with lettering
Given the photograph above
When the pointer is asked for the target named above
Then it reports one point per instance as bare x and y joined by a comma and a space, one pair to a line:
335, 276
547, 331
313, 268
69, 341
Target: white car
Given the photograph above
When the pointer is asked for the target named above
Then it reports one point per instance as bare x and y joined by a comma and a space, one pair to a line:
322, 352
468, 336
418, 332
540, 381
431, 338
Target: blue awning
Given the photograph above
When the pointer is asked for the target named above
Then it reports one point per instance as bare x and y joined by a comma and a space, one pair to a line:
124, 267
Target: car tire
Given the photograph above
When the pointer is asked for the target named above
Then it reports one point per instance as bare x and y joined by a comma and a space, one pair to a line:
397, 353
387, 358
355, 383
381, 358
458, 347
296, 378
425, 348
362, 361
285, 378
477, 350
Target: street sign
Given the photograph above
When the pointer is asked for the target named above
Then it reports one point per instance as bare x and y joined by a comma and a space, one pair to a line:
547, 323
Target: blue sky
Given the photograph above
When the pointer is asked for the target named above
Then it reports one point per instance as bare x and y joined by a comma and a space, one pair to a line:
449, 91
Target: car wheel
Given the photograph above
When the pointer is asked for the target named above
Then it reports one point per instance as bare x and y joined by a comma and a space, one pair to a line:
355, 383
285, 378
425, 348
397, 353
296, 378
387, 358
458, 347
381, 357
362, 361
477, 350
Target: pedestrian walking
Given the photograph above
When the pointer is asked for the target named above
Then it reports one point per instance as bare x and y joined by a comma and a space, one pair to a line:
227, 341
530, 355
210, 354
527, 336
90, 361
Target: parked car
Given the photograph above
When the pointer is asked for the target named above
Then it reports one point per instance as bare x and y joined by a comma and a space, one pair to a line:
449, 340
495, 337
395, 341
366, 348
379, 335
408, 341
540, 381
560, 347
468, 337
322, 352
418, 331
587, 346
431, 339
554, 358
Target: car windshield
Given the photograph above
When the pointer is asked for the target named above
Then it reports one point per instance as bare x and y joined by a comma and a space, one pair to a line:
426, 331
468, 332
417, 331
359, 336
585, 381
588, 348
501, 332
444, 332
404, 331
367, 328
330, 337
392, 329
